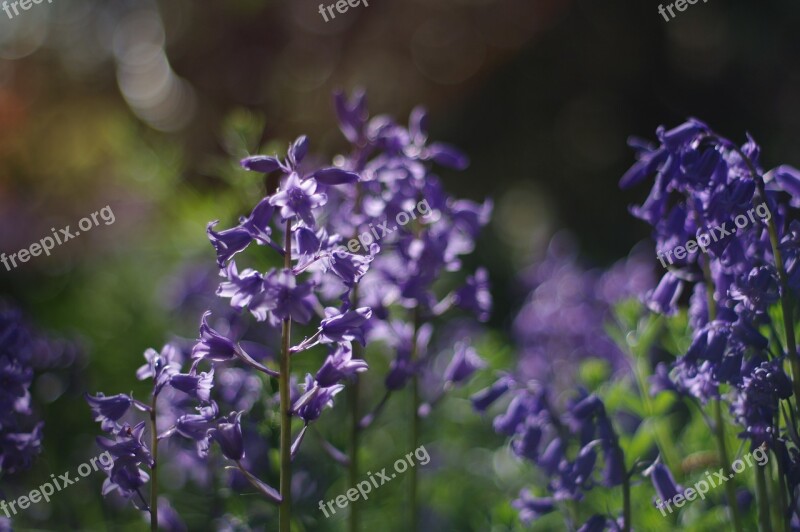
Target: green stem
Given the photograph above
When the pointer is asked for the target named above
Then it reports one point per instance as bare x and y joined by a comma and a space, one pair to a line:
354, 442
626, 499
662, 437
154, 468
414, 436
355, 429
764, 523
730, 488
285, 512
785, 517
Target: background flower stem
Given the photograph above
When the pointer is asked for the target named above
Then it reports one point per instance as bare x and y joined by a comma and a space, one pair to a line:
412, 481
764, 523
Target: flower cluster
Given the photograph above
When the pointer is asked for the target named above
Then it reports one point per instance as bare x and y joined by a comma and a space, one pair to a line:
565, 447
704, 180
403, 285
24, 352
315, 269
20, 433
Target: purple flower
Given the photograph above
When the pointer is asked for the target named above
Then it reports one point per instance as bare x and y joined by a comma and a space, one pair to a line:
663, 481
242, 288
19, 449
315, 399
108, 410
258, 223
160, 366
196, 385
345, 326
484, 399
228, 434
475, 296
283, 297
464, 364
531, 508
212, 345
339, 365
298, 198
229, 242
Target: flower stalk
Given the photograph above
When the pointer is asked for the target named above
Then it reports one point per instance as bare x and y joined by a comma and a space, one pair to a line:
285, 511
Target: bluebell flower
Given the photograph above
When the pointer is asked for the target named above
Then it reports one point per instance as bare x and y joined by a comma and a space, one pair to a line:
283, 297
530, 508
229, 242
159, 366
228, 434
345, 326
315, 399
663, 481
298, 198
339, 365
486, 397
197, 385
464, 364
108, 410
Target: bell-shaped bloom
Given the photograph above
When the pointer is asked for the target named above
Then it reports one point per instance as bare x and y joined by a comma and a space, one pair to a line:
298, 198
212, 345
345, 326
265, 164
663, 482
664, 298
315, 399
197, 426
241, 288
159, 366
258, 223
229, 242
228, 434
530, 508
197, 385
340, 365
464, 364
125, 477
284, 297
486, 397
108, 410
